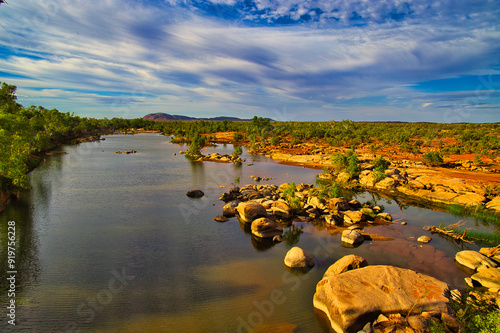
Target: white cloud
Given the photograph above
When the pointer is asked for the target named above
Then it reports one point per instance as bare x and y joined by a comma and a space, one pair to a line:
180, 57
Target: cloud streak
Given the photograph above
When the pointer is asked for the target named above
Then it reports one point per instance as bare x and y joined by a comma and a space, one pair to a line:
224, 57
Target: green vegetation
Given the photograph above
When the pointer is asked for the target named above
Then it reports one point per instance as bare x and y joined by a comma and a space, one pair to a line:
380, 164
486, 238
237, 137
27, 132
197, 143
347, 162
291, 198
237, 151
476, 313
479, 213
432, 158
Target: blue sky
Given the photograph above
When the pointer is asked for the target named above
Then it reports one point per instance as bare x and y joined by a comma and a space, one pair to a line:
421, 60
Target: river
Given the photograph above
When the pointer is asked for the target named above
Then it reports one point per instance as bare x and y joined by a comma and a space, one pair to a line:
109, 242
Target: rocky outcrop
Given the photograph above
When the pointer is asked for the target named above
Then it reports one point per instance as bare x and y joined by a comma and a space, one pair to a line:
355, 298
298, 258
265, 228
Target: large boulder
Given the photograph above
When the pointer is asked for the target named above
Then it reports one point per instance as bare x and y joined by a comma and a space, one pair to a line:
358, 296
265, 228
298, 258
491, 252
250, 211
474, 260
345, 264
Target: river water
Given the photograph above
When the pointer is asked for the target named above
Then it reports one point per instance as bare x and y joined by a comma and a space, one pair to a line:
109, 242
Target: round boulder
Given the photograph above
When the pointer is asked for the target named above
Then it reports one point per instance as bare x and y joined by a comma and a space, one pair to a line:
298, 258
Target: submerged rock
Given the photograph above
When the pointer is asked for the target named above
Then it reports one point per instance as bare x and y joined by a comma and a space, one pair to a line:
352, 237
424, 239
195, 193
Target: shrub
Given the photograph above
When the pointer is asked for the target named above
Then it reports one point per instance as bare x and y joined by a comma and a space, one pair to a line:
380, 164
432, 158
347, 162
237, 136
237, 151
197, 144
275, 140
291, 198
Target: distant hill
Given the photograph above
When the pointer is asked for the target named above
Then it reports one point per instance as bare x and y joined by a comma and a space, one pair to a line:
170, 117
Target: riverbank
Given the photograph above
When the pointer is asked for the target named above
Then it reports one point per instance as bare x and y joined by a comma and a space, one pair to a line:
462, 182
36, 158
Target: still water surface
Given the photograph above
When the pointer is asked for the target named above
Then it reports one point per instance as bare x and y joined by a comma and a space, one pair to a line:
109, 242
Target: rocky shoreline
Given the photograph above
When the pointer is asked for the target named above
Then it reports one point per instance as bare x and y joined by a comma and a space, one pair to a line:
411, 179
354, 296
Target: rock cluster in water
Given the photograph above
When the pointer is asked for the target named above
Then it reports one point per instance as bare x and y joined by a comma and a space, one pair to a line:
269, 201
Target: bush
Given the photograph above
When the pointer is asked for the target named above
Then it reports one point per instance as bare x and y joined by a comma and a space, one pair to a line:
237, 151
197, 144
290, 197
380, 164
432, 158
347, 162
237, 136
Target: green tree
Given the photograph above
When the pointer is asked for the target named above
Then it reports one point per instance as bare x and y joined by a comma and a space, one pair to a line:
197, 144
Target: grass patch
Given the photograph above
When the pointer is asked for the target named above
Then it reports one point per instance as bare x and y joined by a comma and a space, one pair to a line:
479, 213
487, 238
476, 313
